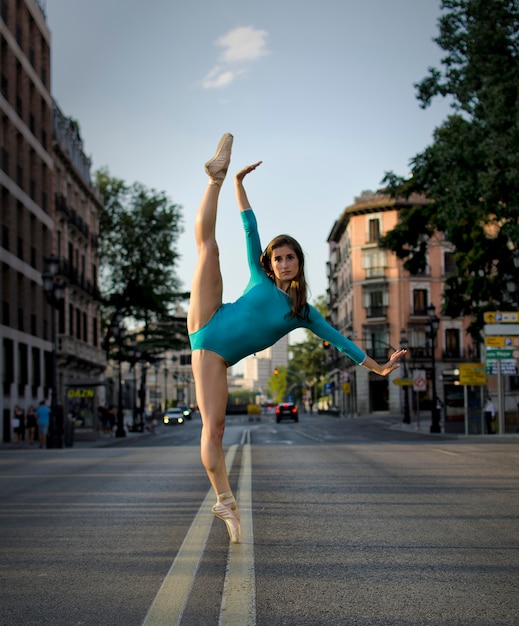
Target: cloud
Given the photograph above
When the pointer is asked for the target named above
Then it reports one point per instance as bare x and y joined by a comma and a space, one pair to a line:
240, 47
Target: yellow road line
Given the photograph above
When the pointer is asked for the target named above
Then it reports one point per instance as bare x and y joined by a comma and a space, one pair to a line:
171, 599
239, 594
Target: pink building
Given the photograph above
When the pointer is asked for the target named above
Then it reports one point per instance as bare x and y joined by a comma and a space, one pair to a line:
381, 306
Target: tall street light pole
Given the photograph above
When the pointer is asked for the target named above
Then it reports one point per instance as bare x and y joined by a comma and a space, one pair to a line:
55, 290
404, 345
433, 324
119, 332
166, 372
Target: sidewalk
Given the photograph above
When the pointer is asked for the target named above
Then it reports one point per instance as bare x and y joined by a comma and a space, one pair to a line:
424, 428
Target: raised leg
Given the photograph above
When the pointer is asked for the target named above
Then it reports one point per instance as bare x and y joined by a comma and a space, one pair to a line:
207, 286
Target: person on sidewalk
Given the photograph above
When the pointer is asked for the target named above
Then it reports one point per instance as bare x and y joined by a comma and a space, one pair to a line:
32, 424
19, 424
43, 417
273, 304
489, 413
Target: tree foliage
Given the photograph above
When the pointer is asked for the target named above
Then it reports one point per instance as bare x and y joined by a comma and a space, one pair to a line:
308, 359
470, 173
138, 231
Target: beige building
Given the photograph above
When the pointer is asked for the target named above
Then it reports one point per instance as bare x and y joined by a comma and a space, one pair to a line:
379, 305
48, 207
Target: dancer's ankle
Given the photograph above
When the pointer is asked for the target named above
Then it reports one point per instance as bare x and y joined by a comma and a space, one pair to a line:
215, 182
226, 497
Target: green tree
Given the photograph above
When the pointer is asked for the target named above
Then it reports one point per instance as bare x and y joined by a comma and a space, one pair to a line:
277, 384
308, 358
470, 173
138, 231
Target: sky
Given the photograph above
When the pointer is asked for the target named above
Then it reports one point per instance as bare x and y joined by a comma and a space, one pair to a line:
321, 92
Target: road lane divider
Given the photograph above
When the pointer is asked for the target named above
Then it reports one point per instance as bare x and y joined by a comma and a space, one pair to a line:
239, 593
171, 599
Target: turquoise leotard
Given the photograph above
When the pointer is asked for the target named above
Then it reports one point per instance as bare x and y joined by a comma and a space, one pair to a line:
262, 314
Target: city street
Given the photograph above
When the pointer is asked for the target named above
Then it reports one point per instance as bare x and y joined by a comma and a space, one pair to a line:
344, 522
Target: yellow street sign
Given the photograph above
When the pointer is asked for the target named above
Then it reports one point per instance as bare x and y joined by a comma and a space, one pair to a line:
500, 317
472, 374
501, 341
346, 387
403, 382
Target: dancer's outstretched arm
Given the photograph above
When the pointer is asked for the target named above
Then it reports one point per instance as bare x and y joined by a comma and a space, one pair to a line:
241, 196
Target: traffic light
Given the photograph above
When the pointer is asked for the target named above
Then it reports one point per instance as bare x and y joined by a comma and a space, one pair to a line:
326, 345
276, 372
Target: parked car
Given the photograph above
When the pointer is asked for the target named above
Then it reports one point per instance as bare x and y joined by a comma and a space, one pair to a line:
186, 411
173, 416
287, 410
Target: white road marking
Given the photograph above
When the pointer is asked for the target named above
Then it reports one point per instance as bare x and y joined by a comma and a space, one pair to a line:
239, 594
171, 599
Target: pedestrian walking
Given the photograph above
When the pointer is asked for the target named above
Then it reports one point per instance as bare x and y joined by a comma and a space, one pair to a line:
18, 423
273, 304
489, 413
43, 418
31, 423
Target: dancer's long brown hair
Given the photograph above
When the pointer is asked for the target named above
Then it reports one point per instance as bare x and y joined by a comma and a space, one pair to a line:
298, 288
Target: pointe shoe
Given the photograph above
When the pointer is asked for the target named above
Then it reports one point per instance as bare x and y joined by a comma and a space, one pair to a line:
230, 514
216, 168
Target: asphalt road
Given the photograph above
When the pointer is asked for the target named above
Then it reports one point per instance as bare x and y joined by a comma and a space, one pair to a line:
344, 522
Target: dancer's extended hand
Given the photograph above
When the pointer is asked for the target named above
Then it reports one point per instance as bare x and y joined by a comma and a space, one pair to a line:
239, 176
392, 364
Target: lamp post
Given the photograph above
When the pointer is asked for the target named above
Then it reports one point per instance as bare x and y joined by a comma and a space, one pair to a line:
135, 355
119, 332
433, 324
142, 392
55, 290
404, 345
166, 372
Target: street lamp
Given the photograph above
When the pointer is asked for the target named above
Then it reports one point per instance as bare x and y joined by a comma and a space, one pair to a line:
135, 355
404, 345
119, 332
433, 324
166, 372
55, 290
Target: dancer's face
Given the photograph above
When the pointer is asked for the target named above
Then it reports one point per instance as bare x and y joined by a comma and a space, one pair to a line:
285, 265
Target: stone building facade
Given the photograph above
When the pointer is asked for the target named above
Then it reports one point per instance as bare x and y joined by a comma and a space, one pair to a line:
48, 206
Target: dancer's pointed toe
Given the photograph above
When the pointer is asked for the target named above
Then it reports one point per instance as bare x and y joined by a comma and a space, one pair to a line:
230, 514
216, 168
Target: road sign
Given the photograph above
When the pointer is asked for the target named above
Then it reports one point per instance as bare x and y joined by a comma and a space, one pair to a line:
502, 353
404, 382
498, 317
419, 380
472, 374
508, 366
502, 341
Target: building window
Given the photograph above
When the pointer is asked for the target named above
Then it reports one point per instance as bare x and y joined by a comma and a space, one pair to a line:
23, 364
8, 367
449, 264
373, 230
374, 263
420, 301
36, 370
95, 337
452, 343
377, 344
375, 302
